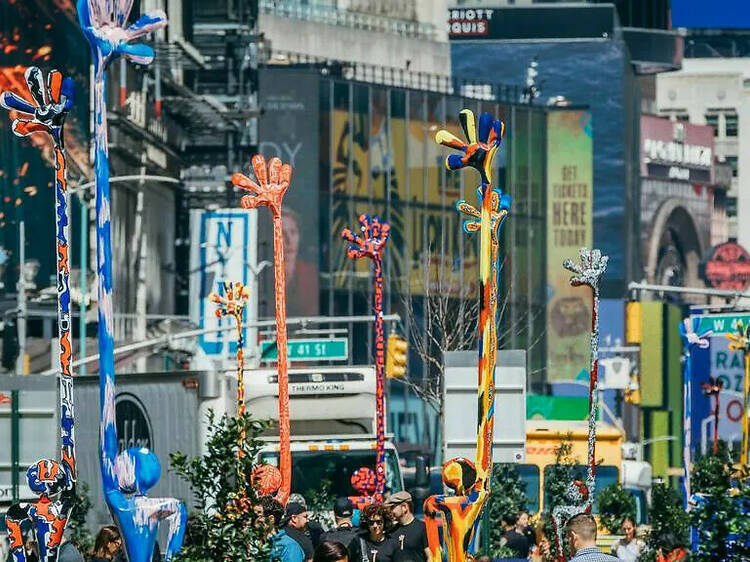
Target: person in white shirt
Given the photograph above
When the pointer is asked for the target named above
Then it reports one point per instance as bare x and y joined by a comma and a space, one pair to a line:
630, 547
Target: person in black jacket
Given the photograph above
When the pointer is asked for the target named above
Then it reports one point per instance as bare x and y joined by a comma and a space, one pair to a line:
344, 531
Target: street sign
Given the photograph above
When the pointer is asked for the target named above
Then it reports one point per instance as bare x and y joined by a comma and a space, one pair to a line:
322, 349
720, 323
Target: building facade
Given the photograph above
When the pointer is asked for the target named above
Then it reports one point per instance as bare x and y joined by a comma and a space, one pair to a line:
716, 91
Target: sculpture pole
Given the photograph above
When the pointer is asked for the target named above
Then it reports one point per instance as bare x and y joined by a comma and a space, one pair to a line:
51, 104
372, 245
471, 480
740, 341
233, 304
274, 181
581, 496
127, 476
713, 389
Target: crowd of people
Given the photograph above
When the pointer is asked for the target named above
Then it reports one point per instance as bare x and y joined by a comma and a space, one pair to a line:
385, 532
381, 532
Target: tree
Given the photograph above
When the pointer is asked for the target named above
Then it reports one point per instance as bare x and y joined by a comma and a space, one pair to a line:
79, 532
615, 504
507, 498
320, 503
720, 515
223, 526
670, 526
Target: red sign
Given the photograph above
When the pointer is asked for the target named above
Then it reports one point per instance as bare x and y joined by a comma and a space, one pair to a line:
4, 399
727, 267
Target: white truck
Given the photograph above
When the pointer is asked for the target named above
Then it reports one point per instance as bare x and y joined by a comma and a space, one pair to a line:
332, 413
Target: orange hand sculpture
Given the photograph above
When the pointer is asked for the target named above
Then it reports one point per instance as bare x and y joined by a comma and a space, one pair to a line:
269, 192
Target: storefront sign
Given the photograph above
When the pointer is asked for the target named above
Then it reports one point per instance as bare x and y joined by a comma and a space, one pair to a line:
676, 150
727, 267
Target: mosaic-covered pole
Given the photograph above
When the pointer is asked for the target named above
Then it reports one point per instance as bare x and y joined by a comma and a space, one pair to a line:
273, 182
233, 304
713, 389
127, 476
588, 273
740, 341
49, 478
471, 480
372, 245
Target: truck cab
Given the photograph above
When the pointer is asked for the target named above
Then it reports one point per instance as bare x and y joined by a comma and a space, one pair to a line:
332, 419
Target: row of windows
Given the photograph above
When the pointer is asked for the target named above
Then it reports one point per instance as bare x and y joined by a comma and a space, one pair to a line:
724, 123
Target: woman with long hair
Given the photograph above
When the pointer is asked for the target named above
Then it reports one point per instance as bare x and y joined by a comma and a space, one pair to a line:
331, 551
108, 542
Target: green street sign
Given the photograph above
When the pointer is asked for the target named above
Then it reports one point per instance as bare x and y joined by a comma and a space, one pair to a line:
323, 349
720, 323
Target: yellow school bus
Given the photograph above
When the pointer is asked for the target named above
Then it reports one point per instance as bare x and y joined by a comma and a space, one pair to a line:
543, 437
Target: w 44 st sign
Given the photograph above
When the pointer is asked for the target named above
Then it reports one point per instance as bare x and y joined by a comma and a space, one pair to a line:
720, 324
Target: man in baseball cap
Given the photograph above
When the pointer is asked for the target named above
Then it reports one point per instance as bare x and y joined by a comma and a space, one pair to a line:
410, 535
344, 531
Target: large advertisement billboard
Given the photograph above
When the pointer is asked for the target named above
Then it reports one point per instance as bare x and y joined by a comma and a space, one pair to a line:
569, 227
289, 130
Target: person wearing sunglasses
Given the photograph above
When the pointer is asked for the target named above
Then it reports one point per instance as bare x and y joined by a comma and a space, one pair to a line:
373, 545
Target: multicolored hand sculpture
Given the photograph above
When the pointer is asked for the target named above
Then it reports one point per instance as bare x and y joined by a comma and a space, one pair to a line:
471, 480
689, 340
54, 481
740, 341
580, 496
233, 304
273, 182
371, 245
127, 476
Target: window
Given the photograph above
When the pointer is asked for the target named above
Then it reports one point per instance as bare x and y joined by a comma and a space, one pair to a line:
684, 117
732, 161
310, 468
730, 124
713, 120
529, 474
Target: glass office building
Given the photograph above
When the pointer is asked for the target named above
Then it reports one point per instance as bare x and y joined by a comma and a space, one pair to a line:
365, 148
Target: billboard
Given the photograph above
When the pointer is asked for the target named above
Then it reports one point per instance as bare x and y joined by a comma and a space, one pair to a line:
677, 151
288, 129
569, 220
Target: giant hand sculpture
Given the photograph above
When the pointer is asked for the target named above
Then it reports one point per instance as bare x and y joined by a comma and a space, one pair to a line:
372, 245
127, 476
580, 497
471, 480
740, 341
53, 481
269, 192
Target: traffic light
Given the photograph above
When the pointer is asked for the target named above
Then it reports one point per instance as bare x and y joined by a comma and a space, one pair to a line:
634, 322
395, 361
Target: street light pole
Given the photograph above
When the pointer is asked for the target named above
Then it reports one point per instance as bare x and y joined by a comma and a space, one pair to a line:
84, 268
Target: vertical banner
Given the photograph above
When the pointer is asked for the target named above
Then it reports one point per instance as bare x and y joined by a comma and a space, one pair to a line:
569, 220
289, 129
223, 247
